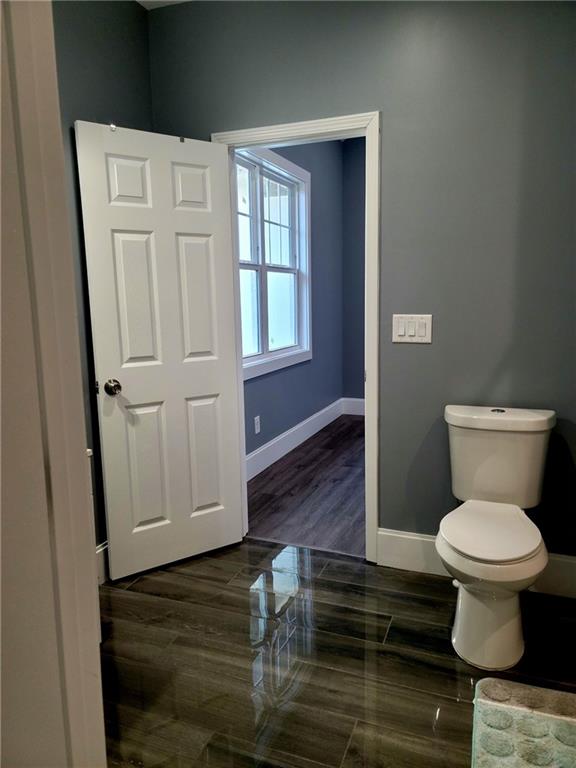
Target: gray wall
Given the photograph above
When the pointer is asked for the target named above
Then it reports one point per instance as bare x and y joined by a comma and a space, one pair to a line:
103, 77
288, 396
477, 222
353, 225
478, 185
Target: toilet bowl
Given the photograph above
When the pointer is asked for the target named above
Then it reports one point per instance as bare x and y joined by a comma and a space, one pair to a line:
488, 543
493, 551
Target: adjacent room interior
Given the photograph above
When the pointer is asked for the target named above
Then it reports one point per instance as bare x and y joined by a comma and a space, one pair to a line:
301, 222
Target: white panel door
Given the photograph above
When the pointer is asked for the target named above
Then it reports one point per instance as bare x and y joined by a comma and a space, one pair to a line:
161, 277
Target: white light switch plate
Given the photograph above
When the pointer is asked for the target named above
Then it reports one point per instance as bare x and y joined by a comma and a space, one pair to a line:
412, 329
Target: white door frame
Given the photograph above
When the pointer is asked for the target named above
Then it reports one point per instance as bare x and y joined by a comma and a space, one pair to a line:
62, 477
365, 125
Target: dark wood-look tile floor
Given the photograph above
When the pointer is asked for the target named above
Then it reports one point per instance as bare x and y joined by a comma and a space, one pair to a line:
287, 657
314, 496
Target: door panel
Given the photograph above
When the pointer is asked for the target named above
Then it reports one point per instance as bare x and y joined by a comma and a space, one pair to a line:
203, 419
128, 180
161, 282
191, 184
197, 282
137, 297
147, 458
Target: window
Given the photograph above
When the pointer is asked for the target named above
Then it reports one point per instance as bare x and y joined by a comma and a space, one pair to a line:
273, 213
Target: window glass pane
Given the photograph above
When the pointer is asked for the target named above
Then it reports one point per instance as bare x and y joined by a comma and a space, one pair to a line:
274, 201
281, 310
249, 311
243, 187
285, 246
266, 192
277, 245
285, 206
272, 244
244, 238
266, 196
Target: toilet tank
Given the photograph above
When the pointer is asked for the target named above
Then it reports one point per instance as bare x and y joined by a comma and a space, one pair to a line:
498, 454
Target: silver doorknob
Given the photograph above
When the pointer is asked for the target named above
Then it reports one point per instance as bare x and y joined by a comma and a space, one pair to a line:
112, 387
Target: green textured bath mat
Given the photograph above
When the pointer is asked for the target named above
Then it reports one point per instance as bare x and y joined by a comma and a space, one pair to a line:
519, 726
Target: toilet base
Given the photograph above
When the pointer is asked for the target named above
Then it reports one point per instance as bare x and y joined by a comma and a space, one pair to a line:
487, 629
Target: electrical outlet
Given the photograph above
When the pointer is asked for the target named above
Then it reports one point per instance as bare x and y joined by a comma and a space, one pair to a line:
256, 425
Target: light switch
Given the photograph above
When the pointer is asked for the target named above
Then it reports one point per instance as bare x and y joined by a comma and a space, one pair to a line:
412, 329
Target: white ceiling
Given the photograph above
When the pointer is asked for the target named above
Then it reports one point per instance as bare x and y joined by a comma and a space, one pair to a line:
150, 4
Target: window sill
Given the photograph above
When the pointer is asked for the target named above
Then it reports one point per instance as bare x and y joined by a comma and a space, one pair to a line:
261, 366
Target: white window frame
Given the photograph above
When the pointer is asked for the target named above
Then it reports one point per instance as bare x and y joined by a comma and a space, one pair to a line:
275, 165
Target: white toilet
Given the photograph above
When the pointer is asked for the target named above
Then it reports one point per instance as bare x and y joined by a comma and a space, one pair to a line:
488, 543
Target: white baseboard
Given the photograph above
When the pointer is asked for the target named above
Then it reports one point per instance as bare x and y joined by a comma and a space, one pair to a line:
102, 562
353, 406
275, 449
416, 552
408, 551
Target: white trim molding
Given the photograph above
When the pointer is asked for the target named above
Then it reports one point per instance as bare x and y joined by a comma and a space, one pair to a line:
409, 551
275, 449
324, 129
261, 365
41, 251
416, 552
102, 562
365, 124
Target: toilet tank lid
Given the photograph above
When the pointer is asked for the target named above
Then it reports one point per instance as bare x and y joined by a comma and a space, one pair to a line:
496, 418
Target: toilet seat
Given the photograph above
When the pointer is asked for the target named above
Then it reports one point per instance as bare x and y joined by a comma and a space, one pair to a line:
490, 532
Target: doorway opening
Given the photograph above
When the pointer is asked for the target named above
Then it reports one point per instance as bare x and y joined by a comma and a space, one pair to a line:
300, 216
367, 126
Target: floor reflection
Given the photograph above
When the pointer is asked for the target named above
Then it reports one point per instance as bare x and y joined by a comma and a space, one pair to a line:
287, 657
282, 646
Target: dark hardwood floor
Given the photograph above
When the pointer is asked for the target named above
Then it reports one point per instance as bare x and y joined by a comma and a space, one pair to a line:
314, 496
269, 656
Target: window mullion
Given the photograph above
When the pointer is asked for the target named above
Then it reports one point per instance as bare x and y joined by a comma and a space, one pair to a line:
280, 268
262, 270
